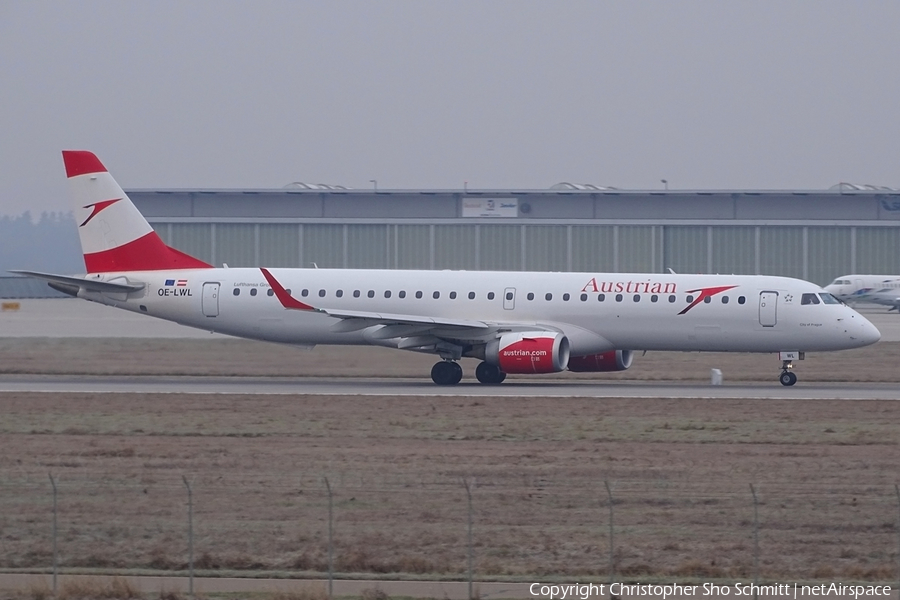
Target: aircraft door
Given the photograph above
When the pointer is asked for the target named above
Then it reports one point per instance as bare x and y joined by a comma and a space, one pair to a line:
509, 298
210, 300
768, 309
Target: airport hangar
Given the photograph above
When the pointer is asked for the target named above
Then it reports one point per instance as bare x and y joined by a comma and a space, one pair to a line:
815, 235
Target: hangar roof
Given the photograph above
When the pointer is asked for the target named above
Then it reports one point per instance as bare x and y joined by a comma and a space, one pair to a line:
842, 204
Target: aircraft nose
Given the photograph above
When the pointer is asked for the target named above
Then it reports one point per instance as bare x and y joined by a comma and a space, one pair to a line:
866, 332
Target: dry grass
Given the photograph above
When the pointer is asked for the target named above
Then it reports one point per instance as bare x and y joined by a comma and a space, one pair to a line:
680, 470
98, 589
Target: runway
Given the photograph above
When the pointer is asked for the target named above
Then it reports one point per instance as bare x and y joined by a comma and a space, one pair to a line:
400, 387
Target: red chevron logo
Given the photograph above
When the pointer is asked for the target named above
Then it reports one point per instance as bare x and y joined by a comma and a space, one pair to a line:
705, 293
97, 206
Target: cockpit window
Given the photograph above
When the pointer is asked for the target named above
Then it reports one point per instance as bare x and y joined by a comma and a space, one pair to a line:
809, 299
829, 299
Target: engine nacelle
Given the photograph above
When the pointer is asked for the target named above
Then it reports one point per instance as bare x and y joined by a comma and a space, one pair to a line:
614, 360
528, 352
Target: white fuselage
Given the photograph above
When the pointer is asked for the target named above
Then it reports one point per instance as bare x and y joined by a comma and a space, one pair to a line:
597, 312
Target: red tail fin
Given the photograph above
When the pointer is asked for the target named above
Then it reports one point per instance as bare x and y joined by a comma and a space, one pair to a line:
114, 235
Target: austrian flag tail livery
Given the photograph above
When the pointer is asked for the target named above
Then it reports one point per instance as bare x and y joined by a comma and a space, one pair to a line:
114, 236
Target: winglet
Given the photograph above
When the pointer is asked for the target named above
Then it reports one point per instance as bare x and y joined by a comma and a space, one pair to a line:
282, 294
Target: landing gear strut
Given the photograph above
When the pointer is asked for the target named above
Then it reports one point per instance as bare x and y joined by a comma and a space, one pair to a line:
446, 372
489, 374
787, 377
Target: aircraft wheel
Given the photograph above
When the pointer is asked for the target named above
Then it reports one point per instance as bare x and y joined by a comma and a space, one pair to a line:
489, 374
446, 373
787, 378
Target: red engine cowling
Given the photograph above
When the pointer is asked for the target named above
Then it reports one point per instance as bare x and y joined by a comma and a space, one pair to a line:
614, 360
529, 352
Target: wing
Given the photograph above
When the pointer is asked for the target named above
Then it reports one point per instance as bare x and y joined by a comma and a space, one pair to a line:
408, 332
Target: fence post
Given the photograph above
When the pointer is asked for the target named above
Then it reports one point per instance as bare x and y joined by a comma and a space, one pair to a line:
190, 492
755, 540
330, 539
612, 548
471, 550
55, 553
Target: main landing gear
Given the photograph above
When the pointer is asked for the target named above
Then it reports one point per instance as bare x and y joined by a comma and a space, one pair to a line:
448, 372
489, 374
787, 377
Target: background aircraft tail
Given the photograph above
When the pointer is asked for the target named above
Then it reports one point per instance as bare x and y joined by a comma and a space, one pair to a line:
115, 236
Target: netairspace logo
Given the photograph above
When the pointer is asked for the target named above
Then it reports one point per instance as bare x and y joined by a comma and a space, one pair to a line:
584, 591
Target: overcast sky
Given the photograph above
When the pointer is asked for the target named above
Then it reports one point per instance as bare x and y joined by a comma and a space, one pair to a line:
219, 94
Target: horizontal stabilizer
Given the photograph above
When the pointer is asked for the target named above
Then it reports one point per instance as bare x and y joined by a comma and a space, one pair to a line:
90, 285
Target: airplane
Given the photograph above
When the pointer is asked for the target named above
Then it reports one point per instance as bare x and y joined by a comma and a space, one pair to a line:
873, 289
887, 296
512, 322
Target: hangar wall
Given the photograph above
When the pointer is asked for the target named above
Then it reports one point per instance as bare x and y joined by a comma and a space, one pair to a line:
811, 235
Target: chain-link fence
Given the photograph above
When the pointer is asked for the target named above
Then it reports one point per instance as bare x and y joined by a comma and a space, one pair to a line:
507, 527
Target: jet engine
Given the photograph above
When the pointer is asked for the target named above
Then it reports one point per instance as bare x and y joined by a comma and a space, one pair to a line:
614, 360
528, 352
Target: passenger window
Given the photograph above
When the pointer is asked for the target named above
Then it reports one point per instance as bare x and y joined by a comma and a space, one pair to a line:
490, 295
237, 291
809, 299
270, 292
453, 295
566, 297
339, 293
741, 299
654, 298
601, 297
724, 299
289, 291
356, 293
690, 299
252, 291
371, 293
708, 299
471, 295
321, 293
530, 296
387, 293
436, 295
509, 295
671, 299
618, 297
637, 298
584, 297
402, 293
418, 294
303, 292
548, 297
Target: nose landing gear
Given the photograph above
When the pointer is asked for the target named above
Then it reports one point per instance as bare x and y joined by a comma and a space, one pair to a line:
787, 377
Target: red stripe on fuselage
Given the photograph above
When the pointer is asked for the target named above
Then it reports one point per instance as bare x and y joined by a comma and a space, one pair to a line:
79, 162
282, 294
147, 253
